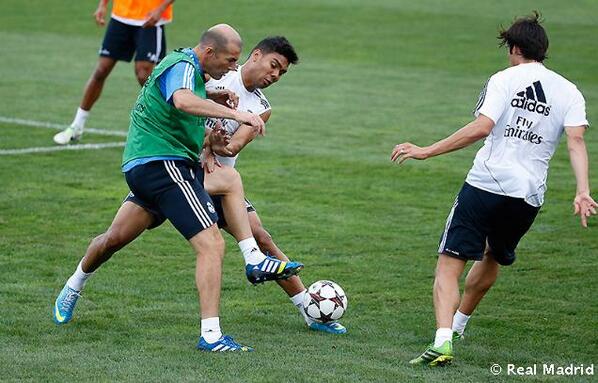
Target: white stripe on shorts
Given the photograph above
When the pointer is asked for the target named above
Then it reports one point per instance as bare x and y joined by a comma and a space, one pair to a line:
448, 225
158, 42
187, 185
189, 195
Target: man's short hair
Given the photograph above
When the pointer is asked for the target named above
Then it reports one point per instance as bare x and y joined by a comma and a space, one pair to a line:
527, 34
280, 45
215, 39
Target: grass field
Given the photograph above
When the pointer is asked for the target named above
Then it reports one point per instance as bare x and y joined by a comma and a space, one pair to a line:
372, 74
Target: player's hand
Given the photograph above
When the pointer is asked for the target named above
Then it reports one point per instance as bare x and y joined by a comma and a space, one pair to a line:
99, 15
584, 206
218, 139
406, 150
253, 120
153, 17
209, 162
224, 97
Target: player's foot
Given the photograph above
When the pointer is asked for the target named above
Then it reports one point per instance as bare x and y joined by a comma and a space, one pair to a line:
224, 344
71, 134
65, 304
457, 336
435, 356
330, 327
271, 269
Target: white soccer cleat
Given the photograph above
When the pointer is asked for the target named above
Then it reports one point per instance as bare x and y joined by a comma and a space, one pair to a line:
70, 134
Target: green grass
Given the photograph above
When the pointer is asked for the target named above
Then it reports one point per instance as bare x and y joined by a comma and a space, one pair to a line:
372, 74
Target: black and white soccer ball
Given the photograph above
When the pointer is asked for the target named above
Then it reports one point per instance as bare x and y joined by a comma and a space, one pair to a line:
325, 301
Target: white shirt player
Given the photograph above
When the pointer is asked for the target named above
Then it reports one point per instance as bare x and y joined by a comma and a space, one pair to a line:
530, 106
253, 102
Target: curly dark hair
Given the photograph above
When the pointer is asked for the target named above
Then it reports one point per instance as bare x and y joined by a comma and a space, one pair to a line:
527, 34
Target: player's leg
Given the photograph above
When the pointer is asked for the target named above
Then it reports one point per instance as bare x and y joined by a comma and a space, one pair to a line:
130, 221
182, 199
118, 44
142, 71
293, 286
510, 223
446, 300
479, 280
95, 84
150, 47
446, 292
463, 239
91, 93
225, 183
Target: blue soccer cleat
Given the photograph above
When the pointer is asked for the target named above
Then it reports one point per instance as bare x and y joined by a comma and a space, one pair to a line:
271, 269
65, 304
330, 327
224, 344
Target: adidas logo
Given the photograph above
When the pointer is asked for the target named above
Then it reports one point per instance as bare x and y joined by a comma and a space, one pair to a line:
532, 99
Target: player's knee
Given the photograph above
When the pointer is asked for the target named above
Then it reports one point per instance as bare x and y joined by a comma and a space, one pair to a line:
142, 72
101, 73
210, 243
141, 77
232, 177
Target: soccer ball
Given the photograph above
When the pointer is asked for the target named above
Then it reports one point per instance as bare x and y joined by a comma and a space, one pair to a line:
325, 301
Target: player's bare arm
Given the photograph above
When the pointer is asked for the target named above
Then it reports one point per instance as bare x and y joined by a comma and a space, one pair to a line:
154, 16
467, 135
243, 136
583, 204
100, 13
186, 101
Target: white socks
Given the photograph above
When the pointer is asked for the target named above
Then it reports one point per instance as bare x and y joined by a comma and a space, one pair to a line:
460, 321
298, 302
80, 118
210, 329
78, 279
442, 335
251, 251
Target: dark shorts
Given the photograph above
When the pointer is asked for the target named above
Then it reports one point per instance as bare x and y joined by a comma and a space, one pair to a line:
218, 205
172, 190
479, 217
121, 41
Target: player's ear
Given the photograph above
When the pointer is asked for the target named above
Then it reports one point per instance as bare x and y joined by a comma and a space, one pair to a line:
256, 55
209, 51
515, 50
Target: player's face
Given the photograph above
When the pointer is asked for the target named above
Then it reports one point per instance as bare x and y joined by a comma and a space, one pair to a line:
219, 62
269, 68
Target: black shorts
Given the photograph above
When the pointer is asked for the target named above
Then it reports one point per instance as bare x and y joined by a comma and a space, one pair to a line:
218, 205
479, 217
121, 41
172, 190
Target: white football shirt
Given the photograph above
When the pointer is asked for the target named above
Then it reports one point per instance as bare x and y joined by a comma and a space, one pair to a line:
253, 102
530, 106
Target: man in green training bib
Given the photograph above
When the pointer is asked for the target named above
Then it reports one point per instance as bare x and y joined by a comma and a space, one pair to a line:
161, 167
